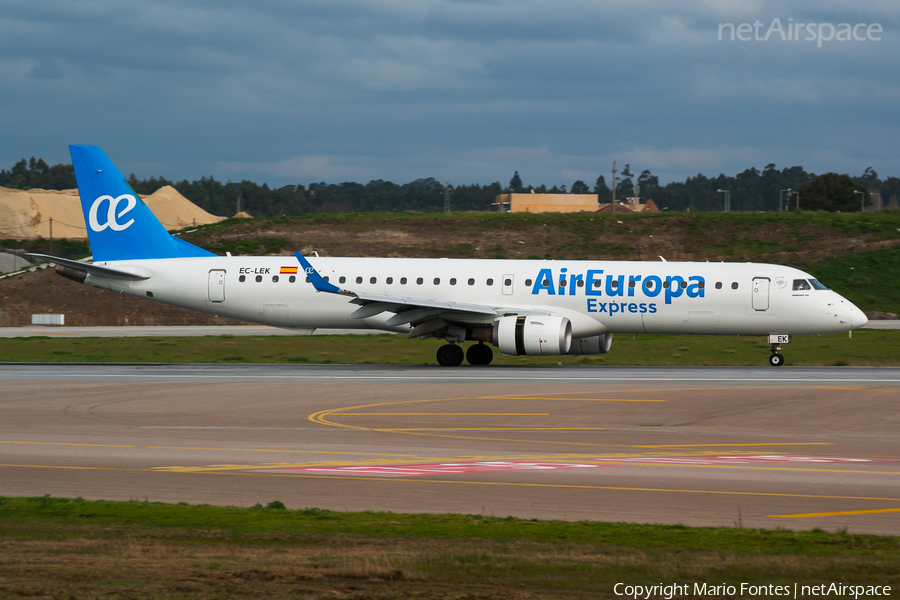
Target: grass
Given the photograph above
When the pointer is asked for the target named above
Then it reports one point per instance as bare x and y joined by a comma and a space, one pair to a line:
866, 347
56, 547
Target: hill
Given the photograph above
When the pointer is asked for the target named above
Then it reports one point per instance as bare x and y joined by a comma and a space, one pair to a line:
27, 214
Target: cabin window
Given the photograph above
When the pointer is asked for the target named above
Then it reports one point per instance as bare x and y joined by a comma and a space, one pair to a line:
734, 285
701, 285
307, 280
615, 283
373, 280
403, 281
359, 280
242, 278
389, 280
293, 278
342, 279
453, 281
325, 278
631, 283
562, 282
528, 283
490, 281
666, 284
258, 278
801, 284
648, 284
579, 284
471, 281
274, 278
718, 285
683, 284
596, 283
419, 281
507, 282
545, 283
437, 281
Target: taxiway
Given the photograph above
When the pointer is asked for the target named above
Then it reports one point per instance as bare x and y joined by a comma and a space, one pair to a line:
755, 447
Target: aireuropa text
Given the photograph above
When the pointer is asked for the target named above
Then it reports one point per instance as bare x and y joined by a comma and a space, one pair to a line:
795, 32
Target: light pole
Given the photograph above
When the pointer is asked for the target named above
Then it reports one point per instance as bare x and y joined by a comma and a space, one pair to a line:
862, 200
727, 199
781, 198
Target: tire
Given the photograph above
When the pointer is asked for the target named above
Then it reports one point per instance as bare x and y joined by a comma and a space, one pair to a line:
450, 355
776, 360
479, 354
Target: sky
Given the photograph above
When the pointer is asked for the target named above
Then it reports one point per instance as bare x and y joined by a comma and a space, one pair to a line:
288, 92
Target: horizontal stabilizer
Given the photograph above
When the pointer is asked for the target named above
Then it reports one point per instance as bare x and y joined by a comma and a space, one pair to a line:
134, 273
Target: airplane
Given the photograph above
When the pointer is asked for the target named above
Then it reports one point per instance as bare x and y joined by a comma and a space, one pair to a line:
522, 307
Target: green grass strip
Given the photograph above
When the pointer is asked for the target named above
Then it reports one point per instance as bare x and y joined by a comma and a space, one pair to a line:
866, 347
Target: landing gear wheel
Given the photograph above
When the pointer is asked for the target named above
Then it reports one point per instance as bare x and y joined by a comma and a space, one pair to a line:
450, 355
479, 354
776, 360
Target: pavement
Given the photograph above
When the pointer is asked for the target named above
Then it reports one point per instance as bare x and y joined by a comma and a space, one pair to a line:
793, 448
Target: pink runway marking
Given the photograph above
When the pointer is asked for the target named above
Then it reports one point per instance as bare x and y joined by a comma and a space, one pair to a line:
493, 466
732, 460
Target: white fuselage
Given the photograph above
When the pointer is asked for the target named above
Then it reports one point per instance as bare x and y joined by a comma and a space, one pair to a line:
631, 297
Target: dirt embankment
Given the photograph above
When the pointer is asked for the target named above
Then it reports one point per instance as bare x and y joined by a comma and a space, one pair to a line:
45, 292
574, 237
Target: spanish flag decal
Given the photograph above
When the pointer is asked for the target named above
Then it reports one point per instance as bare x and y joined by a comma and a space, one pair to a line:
290, 270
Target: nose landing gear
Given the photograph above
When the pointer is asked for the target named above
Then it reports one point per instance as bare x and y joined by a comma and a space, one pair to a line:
775, 359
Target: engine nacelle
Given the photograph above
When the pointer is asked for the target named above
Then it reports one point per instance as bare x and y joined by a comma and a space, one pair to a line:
598, 344
533, 336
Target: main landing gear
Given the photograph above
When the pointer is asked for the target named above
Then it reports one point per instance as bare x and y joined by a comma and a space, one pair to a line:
451, 355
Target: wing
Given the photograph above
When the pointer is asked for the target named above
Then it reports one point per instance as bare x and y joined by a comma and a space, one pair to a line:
424, 315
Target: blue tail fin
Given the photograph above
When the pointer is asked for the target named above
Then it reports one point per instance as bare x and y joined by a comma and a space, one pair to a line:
119, 224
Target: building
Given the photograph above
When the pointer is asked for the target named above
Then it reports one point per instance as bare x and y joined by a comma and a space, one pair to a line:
629, 207
538, 203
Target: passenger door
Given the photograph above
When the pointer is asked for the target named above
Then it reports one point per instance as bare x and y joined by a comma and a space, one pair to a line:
760, 299
217, 285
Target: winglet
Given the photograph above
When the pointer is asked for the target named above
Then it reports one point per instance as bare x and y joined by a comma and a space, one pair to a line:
318, 282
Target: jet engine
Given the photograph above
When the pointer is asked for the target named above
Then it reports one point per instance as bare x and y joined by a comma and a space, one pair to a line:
597, 344
533, 335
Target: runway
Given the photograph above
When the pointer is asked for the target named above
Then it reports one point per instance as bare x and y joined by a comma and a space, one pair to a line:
794, 448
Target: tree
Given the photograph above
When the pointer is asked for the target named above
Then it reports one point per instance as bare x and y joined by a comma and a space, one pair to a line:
602, 190
580, 187
832, 192
515, 184
890, 188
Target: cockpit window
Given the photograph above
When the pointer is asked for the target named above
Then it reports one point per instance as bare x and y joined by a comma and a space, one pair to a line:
801, 284
818, 285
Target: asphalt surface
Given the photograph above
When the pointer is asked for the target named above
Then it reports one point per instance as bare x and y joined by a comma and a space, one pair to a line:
794, 447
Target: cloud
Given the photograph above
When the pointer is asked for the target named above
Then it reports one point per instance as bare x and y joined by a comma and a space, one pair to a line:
462, 90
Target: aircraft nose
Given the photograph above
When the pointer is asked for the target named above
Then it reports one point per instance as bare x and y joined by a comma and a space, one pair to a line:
857, 317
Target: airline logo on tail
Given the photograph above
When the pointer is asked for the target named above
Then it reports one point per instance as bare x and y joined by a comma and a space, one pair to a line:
111, 216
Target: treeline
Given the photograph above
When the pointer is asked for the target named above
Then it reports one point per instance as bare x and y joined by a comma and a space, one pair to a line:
751, 190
